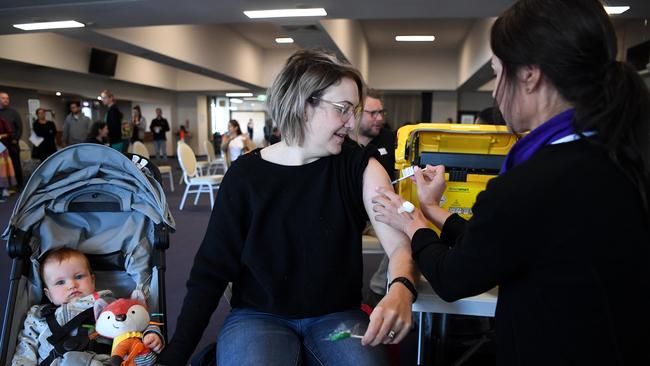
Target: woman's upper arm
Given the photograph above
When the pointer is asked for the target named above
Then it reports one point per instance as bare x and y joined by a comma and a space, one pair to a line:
375, 176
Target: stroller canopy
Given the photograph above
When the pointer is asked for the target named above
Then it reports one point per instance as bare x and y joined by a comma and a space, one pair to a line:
93, 198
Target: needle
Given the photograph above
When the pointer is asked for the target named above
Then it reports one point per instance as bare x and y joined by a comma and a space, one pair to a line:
407, 172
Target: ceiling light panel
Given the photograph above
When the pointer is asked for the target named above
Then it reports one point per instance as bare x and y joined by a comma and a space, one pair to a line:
50, 25
415, 38
285, 13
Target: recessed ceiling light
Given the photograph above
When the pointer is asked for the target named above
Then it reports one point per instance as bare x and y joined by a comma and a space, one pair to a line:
285, 13
250, 98
58, 94
233, 108
284, 40
415, 38
615, 10
236, 101
50, 25
239, 94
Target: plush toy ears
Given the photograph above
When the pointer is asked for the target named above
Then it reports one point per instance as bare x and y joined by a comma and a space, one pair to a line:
99, 306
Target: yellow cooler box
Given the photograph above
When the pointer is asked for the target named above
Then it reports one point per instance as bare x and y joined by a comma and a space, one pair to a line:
471, 154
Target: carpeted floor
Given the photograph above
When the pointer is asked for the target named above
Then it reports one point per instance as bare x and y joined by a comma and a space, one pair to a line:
190, 227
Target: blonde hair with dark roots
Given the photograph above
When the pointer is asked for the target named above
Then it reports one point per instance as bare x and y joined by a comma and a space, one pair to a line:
307, 73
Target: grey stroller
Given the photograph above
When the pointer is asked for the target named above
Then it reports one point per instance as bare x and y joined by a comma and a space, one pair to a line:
101, 202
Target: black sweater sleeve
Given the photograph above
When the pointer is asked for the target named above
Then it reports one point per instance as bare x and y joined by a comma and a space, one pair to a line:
216, 263
472, 256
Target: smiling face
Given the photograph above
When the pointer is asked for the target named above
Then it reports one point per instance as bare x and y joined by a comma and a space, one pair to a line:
326, 128
68, 279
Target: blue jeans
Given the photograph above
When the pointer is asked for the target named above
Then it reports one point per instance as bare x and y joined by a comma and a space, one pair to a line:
160, 149
249, 337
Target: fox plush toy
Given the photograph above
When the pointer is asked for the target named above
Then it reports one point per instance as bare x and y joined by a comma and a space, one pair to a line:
124, 321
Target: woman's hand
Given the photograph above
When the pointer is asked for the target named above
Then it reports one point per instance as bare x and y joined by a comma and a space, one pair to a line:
431, 184
387, 204
390, 321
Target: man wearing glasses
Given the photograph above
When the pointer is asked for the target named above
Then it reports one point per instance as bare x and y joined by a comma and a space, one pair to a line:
373, 131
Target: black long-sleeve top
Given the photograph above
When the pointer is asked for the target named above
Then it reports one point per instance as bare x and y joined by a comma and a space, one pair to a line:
565, 237
113, 119
385, 145
47, 147
288, 237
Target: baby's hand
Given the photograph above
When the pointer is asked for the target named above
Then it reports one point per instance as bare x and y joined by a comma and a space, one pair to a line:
153, 342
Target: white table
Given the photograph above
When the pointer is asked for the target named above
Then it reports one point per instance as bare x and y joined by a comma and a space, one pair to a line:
429, 302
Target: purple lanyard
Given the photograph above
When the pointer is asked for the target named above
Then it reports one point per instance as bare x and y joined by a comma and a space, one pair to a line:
555, 128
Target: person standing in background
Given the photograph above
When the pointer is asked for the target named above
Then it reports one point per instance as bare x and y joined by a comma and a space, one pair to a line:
75, 126
7, 174
268, 131
490, 116
47, 130
159, 127
113, 119
13, 118
137, 124
250, 128
373, 131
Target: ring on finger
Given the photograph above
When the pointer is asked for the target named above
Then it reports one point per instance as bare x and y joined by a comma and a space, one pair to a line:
391, 334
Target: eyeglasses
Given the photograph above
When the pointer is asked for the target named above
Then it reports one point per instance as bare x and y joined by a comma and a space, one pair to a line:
346, 109
375, 114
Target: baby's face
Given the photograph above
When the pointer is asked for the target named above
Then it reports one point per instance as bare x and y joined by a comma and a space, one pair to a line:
67, 280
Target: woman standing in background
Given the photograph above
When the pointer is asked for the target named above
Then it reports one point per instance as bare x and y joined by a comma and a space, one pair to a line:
47, 130
137, 125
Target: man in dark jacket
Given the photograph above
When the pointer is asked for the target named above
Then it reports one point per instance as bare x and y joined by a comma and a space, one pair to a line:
159, 128
13, 118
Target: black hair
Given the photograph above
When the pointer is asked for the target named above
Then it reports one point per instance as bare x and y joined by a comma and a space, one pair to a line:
95, 128
574, 44
234, 123
78, 104
137, 108
491, 116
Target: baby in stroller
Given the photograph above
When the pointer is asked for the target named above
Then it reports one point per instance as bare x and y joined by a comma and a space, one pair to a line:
70, 287
98, 201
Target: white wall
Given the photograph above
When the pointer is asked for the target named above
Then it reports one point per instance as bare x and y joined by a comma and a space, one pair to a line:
413, 70
445, 105
202, 127
186, 109
475, 51
188, 81
275, 60
202, 45
258, 124
350, 39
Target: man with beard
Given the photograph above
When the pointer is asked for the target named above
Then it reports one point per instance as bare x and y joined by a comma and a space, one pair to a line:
373, 131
